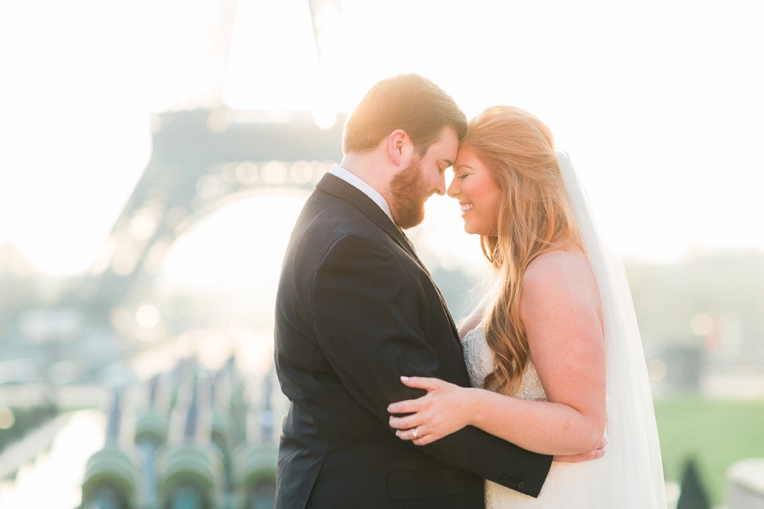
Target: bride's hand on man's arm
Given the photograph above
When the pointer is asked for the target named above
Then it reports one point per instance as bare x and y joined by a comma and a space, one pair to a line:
445, 409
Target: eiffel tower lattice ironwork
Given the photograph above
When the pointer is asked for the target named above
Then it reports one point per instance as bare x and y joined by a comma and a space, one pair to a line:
203, 159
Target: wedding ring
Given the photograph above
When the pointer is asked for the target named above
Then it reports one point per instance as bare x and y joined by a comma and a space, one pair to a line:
416, 433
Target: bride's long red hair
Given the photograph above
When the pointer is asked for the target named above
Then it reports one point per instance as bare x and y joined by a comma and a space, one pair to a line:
534, 217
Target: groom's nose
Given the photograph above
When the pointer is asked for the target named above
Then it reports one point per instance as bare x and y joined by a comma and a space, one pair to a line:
441, 189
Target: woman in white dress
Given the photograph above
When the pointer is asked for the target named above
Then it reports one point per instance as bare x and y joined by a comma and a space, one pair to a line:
553, 351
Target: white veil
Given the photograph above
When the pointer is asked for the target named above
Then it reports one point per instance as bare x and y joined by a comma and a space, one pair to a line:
633, 456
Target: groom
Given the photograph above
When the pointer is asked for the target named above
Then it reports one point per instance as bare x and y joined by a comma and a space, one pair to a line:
356, 309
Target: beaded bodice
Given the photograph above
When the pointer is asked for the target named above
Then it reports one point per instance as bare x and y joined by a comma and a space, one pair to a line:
479, 359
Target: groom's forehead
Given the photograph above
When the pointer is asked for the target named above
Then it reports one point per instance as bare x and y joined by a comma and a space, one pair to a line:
445, 147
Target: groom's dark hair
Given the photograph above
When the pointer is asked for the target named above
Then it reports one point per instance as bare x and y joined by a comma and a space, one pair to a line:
409, 102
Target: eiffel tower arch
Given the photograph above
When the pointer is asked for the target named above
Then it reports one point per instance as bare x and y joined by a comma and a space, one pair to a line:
203, 160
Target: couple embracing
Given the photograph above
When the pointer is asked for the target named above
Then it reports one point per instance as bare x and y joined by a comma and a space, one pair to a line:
539, 399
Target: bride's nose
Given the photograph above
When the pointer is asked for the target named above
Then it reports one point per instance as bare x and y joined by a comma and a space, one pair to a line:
453, 188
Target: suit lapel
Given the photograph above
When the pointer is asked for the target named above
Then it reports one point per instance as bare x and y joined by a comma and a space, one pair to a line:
341, 189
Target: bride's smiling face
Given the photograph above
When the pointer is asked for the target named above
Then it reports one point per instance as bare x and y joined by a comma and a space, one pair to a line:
478, 193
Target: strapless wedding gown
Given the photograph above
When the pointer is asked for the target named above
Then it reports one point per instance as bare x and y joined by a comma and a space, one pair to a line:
569, 485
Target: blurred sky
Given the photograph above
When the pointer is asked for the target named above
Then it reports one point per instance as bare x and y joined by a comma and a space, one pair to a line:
658, 103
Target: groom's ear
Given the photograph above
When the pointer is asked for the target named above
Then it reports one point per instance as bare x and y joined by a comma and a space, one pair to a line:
399, 148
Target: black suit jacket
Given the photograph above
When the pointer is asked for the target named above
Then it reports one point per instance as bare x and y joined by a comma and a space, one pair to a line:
356, 310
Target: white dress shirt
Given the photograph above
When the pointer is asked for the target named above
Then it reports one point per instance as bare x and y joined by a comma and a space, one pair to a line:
340, 172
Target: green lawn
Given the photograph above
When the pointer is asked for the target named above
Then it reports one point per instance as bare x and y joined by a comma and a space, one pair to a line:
716, 433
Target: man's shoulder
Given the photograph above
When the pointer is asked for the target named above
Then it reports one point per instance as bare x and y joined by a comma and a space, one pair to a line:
328, 218
330, 224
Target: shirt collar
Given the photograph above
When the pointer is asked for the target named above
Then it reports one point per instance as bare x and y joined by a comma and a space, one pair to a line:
340, 172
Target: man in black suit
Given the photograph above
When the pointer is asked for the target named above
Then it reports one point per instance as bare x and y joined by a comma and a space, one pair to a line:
356, 309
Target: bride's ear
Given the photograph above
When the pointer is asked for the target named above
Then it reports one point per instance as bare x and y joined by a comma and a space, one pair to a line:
399, 148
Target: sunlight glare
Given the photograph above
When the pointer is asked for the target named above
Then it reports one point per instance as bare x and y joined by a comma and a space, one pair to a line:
241, 243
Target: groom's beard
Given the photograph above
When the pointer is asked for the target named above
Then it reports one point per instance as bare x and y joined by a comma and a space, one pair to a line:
409, 192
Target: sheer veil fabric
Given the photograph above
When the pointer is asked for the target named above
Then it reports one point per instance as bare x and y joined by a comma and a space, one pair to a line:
635, 472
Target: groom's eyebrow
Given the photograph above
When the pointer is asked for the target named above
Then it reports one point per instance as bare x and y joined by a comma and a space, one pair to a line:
448, 162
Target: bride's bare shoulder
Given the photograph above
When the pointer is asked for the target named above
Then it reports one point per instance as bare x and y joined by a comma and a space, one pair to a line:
560, 262
562, 272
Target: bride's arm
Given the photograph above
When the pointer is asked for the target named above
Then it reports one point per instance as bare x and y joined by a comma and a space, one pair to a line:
561, 313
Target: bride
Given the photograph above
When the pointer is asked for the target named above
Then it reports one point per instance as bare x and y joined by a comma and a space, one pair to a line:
553, 351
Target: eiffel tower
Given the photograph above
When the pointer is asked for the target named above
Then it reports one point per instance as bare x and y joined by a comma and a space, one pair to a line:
203, 159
